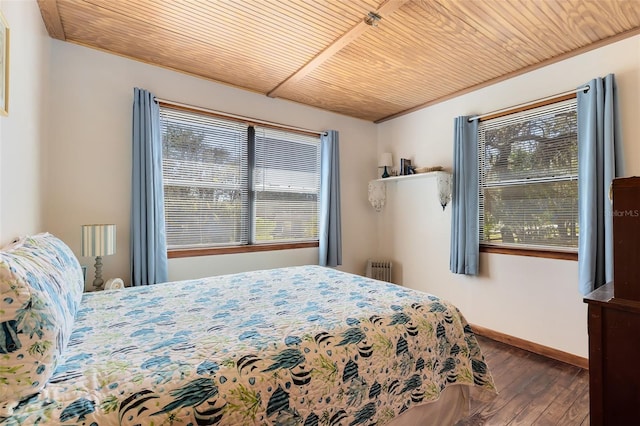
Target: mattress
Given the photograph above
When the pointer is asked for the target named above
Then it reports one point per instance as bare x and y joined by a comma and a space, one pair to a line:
292, 346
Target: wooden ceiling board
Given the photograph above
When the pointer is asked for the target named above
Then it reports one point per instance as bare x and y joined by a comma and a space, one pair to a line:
498, 33
391, 84
51, 18
177, 52
428, 25
225, 32
256, 18
543, 38
377, 62
586, 18
549, 14
247, 28
339, 99
421, 51
387, 7
564, 26
449, 70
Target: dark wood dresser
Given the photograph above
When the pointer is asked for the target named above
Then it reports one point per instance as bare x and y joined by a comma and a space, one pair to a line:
614, 359
614, 319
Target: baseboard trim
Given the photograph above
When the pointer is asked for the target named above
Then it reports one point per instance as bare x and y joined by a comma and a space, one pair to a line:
536, 348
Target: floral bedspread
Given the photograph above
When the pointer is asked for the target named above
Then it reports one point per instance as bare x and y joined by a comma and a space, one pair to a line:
292, 346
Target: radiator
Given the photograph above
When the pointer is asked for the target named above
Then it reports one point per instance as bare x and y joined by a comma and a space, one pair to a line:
379, 269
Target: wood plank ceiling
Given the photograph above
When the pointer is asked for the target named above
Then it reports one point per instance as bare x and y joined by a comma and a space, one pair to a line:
322, 52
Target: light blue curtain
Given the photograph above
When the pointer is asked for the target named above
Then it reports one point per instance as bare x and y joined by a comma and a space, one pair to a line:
465, 241
330, 231
148, 244
599, 161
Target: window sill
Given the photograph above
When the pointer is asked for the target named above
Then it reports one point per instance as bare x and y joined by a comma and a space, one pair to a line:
211, 251
547, 254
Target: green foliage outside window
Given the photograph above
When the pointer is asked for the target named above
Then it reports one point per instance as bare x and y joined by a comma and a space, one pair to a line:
213, 198
528, 181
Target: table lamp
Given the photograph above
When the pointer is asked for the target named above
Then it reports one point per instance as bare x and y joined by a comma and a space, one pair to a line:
385, 160
98, 241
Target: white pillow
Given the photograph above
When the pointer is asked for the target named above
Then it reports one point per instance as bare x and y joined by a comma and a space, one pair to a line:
41, 286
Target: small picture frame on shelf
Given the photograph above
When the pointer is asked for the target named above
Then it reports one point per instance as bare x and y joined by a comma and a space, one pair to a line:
405, 167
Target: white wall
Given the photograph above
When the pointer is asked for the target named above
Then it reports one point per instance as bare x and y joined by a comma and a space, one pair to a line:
531, 298
90, 154
22, 131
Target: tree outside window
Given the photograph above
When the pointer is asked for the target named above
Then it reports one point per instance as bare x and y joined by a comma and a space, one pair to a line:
529, 178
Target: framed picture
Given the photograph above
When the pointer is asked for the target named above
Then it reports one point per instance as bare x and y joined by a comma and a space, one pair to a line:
4, 66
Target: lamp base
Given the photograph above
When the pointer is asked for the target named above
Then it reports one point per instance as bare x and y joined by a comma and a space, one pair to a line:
385, 174
98, 282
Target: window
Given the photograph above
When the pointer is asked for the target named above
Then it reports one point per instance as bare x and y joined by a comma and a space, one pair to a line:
227, 183
529, 179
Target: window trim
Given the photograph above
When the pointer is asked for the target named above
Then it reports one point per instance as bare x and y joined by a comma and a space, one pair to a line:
547, 254
525, 251
245, 120
251, 246
246, 248
527, 107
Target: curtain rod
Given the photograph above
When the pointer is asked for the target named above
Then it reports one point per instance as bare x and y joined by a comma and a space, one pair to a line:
238, 117
548, 98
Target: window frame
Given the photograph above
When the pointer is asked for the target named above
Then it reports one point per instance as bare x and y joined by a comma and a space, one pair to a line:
250, 246
540, 252
247, 248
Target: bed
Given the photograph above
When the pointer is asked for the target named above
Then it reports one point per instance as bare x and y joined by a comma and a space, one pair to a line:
291, 346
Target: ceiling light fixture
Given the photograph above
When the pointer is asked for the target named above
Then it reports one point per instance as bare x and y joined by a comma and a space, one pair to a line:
372, 19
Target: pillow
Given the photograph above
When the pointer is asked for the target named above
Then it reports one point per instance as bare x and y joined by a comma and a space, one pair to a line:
41, 286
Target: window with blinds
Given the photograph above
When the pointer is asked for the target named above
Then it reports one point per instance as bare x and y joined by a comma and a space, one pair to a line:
286, 185
230, 184
528, 165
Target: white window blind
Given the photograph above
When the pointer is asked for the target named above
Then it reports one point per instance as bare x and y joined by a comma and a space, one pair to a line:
229, 184
286, 184
205, 176
528, 165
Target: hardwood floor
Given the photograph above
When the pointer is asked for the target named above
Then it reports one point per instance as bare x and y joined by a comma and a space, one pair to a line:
533, 390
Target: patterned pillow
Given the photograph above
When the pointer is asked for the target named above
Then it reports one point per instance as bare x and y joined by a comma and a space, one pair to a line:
41, 286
